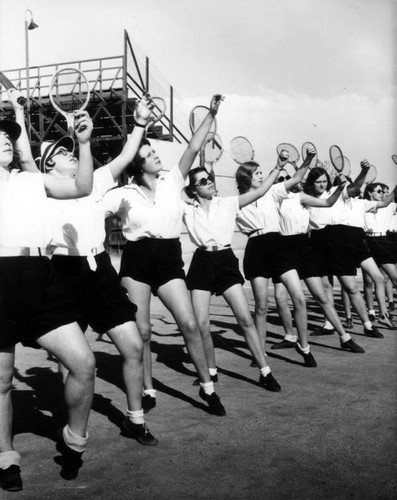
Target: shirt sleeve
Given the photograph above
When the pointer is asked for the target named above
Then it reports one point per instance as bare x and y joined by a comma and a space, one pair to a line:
279, 192
112, 201
103, 180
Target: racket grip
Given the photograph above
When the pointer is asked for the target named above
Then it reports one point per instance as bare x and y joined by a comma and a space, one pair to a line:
22, 101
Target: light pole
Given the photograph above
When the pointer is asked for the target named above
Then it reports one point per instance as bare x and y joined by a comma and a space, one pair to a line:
29, 25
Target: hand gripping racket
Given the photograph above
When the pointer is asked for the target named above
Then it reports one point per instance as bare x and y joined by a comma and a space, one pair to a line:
196, 118
241, 150
69, 92
288, 151
305, 147
371, 174
7, 84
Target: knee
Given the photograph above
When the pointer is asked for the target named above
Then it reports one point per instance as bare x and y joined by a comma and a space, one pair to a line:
245, 321
261, 309
299, 301
145, 331
188, 326
204, 326
84, 366
6, 380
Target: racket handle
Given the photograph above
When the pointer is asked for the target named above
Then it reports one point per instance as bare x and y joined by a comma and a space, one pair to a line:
21, 100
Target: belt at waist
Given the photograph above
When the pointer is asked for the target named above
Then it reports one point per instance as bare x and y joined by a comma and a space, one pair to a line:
214, 248
257, 232
22, 252
76, 252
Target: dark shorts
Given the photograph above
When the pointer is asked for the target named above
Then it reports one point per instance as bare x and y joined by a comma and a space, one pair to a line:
306, 260
383, 249
33, 301
152, 261
340, 249
100, 299
267, 256
213, 271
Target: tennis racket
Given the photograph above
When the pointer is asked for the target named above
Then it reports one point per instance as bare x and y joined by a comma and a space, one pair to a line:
304, 148
7, 84
69, 92
288, 151
213, 150
394, 158
337, 158
158, 111
241, 150
196, 118
286, 173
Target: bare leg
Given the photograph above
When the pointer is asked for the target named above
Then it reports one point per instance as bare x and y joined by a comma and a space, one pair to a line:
140, 294
371, 270
69, 345
201, 306
292, 282
175, 297
391, 271
7, 358
281, 296
260, 289
237, 301
129, 344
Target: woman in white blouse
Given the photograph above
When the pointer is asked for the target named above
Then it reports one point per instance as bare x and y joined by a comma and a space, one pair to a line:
210, 221
267, 255
151, 209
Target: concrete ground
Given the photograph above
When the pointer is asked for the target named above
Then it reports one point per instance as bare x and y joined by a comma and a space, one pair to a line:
329, 434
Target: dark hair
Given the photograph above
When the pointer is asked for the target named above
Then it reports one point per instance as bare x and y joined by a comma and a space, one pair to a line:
244, 176
15, 163
189, 189
134, 169
314, 174
370, 188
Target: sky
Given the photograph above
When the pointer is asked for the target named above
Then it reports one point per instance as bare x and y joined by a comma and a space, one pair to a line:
291, 70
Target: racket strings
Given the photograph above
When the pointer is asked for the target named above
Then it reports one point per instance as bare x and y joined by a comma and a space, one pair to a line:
241, 150
213, 150
70, 91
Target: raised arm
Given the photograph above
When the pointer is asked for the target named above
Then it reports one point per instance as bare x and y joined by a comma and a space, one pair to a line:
358, 182
199, 136
312, 201
389, 198
251, 196
22, 145
141, 118
301, 172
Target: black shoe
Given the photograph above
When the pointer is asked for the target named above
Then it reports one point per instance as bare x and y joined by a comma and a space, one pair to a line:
71, 459
140, 432
269, 383
214, 378
254, 364
214, 403
322, 331
391, 306
385, 321
371, 317
308, 358
148, 402
374, 333
348, 323
350, 345
284, 344
10, 478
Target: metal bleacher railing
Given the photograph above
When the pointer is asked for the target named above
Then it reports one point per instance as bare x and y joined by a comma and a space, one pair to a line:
115, 84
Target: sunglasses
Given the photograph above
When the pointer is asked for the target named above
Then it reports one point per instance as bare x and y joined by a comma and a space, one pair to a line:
205, 180
379, 191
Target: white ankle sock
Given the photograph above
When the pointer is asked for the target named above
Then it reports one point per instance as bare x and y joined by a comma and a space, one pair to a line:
265, 370
327, 325
306, 350
136, 416
213, 371
368, 325
149, 392
291, 338
208, 387
8, 458
345, 337
75, 442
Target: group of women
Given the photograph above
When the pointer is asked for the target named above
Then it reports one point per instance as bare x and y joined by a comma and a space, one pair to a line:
60, 203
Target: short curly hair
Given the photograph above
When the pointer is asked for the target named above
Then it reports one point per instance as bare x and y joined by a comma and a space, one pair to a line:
314, 174
134, 169
244, 176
